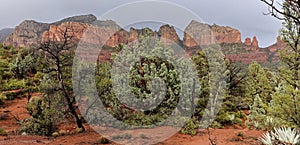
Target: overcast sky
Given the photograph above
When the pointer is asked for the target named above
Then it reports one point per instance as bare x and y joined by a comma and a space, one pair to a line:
244, 15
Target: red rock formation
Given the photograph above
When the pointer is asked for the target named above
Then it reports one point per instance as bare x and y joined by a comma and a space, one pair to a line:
168, 35
251, 45
249, 57
226, 34
247, 41
56, 33
30, 32
203, 34
254, 42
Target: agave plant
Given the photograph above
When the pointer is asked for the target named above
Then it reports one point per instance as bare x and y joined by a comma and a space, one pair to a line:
281, 135
266, 139
287, 135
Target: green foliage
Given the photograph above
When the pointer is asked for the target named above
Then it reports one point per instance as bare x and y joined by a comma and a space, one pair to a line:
3, 132
79, 130
286, 99
42, 121
62, 132
190, 128
23, 64
55, 134
284, 105
259, 82
240, 134
2, 99
15, 84
261, 116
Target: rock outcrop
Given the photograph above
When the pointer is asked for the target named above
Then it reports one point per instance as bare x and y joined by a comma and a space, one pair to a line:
109, 34
56, 33
248, 42
30, 32
135, 34
168, 35
197, 34
279, 45
26, 34
5, 33
254, 42
226, 34
251, 44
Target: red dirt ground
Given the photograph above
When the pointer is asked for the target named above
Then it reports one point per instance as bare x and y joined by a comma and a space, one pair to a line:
15, 110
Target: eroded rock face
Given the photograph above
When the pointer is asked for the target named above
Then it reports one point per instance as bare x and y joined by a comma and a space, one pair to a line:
106, 33
168, 35
203, 34
226, 34
109, 34
251, 44
136, 34
197, 34
30, 32
247, 41
254, 42
26, 34
74, 30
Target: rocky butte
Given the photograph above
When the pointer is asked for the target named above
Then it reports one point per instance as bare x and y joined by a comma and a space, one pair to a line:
107, 33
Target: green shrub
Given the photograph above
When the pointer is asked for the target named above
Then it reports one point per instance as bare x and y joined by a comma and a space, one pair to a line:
2, 99
11, 95
15, 84
55, 134
42, 121
79, 130
62, 132
3, 132
189, 128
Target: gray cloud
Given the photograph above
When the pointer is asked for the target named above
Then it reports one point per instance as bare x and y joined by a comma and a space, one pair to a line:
245, 15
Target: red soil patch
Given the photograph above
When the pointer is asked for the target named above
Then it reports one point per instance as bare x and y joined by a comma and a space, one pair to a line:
15, 109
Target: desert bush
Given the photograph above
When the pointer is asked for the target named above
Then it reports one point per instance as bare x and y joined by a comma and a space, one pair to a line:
55, 134
190, 128
3, 132
42, 121
79, 130
2, 99
283, 135
14, 84
11, 95
62, 132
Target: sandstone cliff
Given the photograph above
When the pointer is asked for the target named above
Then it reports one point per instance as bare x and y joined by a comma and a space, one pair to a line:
168, 35
198, 34
30, 32
109, 34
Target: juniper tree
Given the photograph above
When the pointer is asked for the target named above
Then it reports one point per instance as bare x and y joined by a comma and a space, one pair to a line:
259, 82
